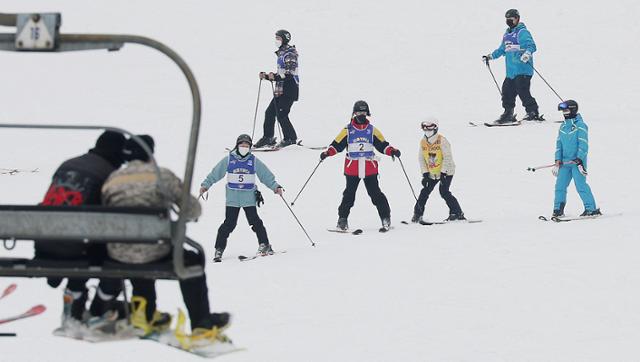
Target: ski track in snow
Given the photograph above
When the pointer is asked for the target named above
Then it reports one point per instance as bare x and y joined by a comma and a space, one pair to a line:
511, 288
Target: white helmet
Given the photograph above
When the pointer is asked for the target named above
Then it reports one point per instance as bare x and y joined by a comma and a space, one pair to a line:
430, 127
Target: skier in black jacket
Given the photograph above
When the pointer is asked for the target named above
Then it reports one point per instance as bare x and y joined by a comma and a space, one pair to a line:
76, 182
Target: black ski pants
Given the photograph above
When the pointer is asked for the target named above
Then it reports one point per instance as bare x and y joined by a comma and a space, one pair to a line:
518, 86
279, 109
373, 189
428, 185
231, 220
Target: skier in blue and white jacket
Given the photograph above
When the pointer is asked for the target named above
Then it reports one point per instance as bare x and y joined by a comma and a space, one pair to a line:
241, 168
518, 47
572, 147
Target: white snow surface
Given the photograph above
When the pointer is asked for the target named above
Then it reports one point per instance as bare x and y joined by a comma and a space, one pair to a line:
509, 289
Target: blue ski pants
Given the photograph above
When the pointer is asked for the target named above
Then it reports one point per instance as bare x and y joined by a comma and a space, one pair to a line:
565, 174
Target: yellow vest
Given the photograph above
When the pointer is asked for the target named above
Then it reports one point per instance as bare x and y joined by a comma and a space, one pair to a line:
432, 153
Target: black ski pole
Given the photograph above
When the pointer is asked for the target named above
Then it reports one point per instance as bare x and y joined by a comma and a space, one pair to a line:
255, 115
299, 223
306, 182
493, 76
547, 83
408, 181
275, 103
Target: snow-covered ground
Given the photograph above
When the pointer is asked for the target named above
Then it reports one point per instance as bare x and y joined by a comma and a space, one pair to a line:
509, 289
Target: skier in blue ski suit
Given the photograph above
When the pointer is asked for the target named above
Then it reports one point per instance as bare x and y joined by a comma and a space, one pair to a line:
518, 47
572, 147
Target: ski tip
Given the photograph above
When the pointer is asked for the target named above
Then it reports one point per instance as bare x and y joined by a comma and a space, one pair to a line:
357, 232
404, 222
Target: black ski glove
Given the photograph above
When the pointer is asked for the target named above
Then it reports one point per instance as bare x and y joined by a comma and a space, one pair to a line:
259, 198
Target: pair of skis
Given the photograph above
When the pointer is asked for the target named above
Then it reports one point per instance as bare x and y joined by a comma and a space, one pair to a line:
510, 124
33, 311
254, 257
299, 143
429, 223
574, 218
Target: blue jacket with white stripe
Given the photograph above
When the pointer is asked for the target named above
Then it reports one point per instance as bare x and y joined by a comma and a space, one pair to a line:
573, 140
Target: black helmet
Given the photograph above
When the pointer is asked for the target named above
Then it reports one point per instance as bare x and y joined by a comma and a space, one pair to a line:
285, 35
571, 106
134, 151
244, 138
512, 13
361, 106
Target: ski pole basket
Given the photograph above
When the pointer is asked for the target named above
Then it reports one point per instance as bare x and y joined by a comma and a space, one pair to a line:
95, 224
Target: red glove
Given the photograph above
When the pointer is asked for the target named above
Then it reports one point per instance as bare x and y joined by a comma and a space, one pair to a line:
390, 151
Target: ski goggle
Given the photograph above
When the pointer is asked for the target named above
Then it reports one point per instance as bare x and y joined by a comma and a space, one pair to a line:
360, 113
562, 106
427, 126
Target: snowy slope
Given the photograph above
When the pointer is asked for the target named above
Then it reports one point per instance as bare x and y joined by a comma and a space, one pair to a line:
509, 289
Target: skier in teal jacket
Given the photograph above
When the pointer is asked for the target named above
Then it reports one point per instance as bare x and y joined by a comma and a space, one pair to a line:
572, 147
518, 47
241, 168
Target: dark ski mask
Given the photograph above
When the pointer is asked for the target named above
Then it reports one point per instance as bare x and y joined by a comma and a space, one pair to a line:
361, 119
511, 23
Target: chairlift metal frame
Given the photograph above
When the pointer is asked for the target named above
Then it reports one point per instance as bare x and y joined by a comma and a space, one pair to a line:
56, 42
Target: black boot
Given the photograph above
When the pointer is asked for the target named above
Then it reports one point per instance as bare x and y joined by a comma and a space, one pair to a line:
533, 116
265, 142
559, 212
595, 212
219, 320
343, 224
507, 116
286, 142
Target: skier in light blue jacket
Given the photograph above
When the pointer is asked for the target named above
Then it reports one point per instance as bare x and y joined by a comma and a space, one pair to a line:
572, 147
241, 168
518, 47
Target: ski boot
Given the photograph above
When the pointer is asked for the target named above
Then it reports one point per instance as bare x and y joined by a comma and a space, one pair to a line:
416, 219
218, 256
559, 212
265, 142
158, 324
506, 117
264, 250
342, 224
73, 315
533, 116
456, 217
286, 142
205, 338
103, 304
591, 213
386, 225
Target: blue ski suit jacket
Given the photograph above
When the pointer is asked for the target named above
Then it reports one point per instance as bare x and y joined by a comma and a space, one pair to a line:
516, 42
573, 140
